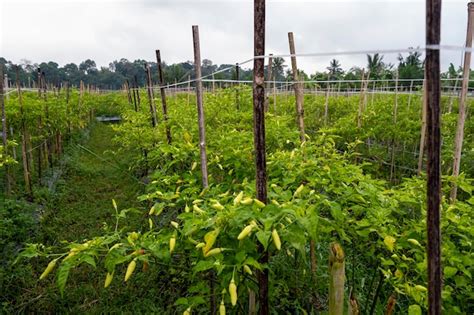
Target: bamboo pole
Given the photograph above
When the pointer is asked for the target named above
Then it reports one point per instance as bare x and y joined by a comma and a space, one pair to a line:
361, 102
298, 88
161, 81
200, 108
4, 133
259, 138
151, 101
336, 279
26, 170
458, 140
269, 79
237, 89
189, 89
423, 129
433, 96
451, 97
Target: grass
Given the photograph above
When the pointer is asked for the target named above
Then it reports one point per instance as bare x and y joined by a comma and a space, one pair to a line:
80, 208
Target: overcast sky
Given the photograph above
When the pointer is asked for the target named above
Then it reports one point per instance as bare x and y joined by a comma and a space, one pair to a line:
104, 30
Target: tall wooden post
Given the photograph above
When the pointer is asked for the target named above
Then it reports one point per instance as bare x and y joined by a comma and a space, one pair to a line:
298, 88
200, 108
462, 102
151, 100
161, 82
433, 96
259, 134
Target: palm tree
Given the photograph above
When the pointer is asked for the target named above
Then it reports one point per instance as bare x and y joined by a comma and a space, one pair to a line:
375, 65
334, 69
278, 68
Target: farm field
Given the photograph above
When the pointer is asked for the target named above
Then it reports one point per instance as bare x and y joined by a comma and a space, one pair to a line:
124, 207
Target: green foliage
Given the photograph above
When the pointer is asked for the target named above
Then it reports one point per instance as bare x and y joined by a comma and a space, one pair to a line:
316, 192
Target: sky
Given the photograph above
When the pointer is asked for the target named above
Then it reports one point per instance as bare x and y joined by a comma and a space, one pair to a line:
104, 30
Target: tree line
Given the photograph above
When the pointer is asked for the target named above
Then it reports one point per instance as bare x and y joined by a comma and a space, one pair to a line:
118, 71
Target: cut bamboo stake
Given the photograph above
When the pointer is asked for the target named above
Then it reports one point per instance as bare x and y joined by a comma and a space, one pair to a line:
259, 138
336, 279
189, 88
298, 88
395, 112
151, 100
200, 108
137, 91
269, 79
127, 90
26, 171
451, 97
237, 88
274, 97
458, 140
252, 303
361, 102
163, 95
409, 95
4, 133
423, 129
326, 105
433, 96
39, 82
45, 86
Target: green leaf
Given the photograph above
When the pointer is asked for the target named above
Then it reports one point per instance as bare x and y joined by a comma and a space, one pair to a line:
203, 265
89, 260
62, 275
263, 237
181, 301
450, 271
414, 310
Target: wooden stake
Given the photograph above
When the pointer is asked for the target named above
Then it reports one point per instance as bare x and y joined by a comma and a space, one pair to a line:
200, 108
336, 279
458, 140
237, 88
189, 89
423, 129
161, 81
433, 96
451, 97
4, 132
39, 82
127, 90
409, 95
259, 137
298, 88
151, 100
269, 78
137, 91
24, 154
326, 104
361, 102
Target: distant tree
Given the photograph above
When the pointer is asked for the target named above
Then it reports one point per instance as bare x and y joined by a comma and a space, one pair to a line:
278, 68
376, 66
335, 70
410, 67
